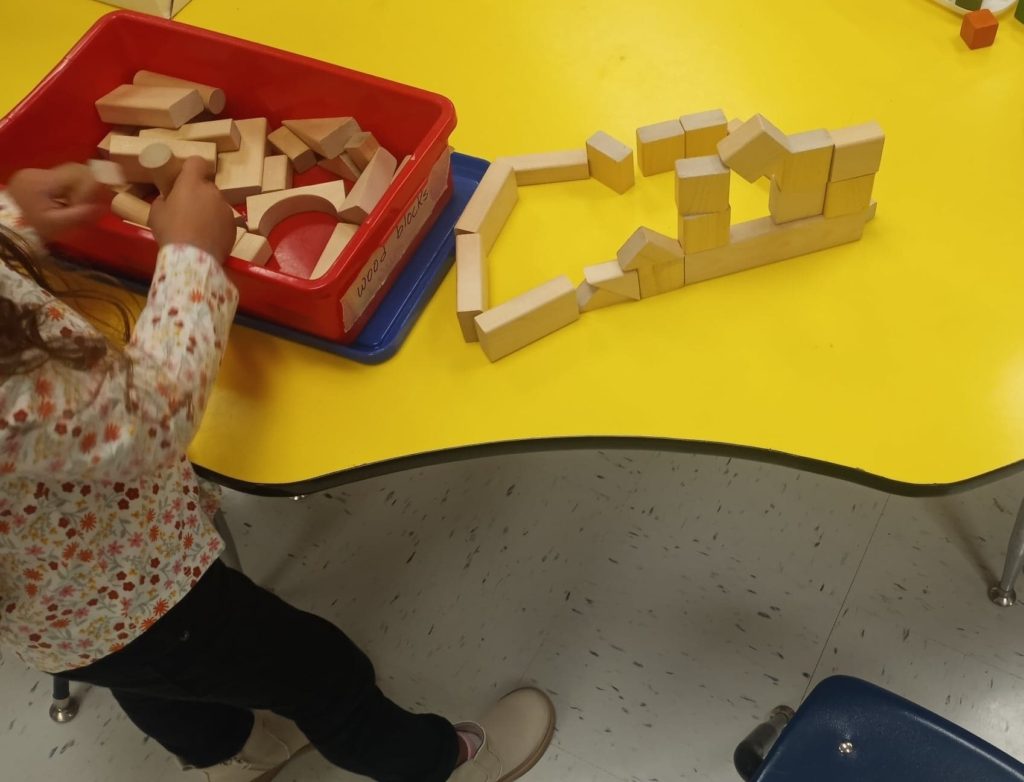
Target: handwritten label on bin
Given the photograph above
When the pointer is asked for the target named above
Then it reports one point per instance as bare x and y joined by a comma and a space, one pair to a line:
383, 262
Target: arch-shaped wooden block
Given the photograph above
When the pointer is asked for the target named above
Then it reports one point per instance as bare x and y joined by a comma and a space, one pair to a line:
267, 210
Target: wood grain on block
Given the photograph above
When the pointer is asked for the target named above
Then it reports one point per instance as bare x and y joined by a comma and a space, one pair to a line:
590, 297
287, 143
327, 136
371, 186
490, 206
161, 107
610, 277
660, 278
701, 232
164, 167
703, 132
471, 289
543, 168
277, 174
788, 205
265, 211
806, 166
647, 248
340, 237
107, 172
125, 150
131, 208
849, 196
527, 318
361, 148
240, 174
222, 132
611, 162
702, 185
213, 98
858, 151
252, 248
342, 166
755, 149
760, 242
659, 146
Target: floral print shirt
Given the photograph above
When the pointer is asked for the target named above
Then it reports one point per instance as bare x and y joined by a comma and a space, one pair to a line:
104, 526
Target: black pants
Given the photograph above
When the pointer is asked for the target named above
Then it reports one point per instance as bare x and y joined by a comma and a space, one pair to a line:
230, 646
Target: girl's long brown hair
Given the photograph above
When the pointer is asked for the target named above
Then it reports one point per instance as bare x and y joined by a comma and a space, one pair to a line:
23, 348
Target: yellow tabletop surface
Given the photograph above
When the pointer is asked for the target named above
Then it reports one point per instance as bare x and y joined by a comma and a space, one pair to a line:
900, 355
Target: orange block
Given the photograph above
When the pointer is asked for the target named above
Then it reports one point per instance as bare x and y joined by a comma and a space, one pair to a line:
979, 29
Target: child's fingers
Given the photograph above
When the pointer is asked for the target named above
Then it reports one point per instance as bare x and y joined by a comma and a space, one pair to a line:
74, 183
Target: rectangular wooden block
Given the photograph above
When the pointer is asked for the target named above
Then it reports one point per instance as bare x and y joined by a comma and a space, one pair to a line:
252, 248
858, 151
340, 237
849, 196
760, 242
287, 143
159, 107
240, 174
807, 165
545, 168
361, 148
590, 298
277, 174
661, 278
125, 151
527, 318
491, 204
703, 132
611, 277
222, 132
160, 134
788, 205
611, 162
648, 248
702, 185
754, 150
107, 172
327, 136
701, 232
369, 188
659, 146
471, 289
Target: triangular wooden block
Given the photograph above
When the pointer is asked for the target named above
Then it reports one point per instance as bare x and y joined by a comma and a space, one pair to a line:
591, 298
610, 277
646, 247
327, 136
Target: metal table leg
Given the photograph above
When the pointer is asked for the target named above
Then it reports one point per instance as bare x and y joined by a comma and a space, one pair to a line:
1003, 594
64, 707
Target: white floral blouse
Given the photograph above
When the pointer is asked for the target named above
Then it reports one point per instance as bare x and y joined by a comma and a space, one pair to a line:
104, 526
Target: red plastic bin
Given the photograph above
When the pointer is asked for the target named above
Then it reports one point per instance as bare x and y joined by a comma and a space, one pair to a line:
58, 122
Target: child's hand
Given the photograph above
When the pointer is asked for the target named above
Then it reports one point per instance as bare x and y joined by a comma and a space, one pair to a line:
58, 199
194, 213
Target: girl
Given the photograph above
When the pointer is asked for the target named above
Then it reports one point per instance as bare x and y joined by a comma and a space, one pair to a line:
109, 569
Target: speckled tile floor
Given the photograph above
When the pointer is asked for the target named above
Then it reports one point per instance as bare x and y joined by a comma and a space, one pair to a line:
667, 602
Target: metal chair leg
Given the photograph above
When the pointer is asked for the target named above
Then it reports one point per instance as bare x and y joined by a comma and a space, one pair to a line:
751, 752
64, 707
1003, 593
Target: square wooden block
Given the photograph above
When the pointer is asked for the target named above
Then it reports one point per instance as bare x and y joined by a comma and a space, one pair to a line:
702, 185
755, 149
979, 29
659, 146
703, 132
611, 162
698, 233
851, 196
858, 151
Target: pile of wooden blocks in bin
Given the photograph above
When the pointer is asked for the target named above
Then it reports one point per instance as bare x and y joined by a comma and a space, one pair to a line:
821, 187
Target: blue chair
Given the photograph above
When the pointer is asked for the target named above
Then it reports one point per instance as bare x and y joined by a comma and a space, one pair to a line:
851, 731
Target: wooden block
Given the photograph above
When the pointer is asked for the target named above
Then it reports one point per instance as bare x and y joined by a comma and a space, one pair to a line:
702, 185
590, 298
701, 232
850, 196
160, 134
661, 278
471, 289
265, 211
611, 162
222, 132
786, 206
490, 206
760, 242
732, 127
158, 159
103, 148
131, 208
545, 168
648, 248
342, 166
252, 248
240, 174
755, 150
527, 318
213, 98
659, 146
807, 165
108, 173
342, 235
277, 174
858, 151
160, 107
371, 186
361, 148
239, 217
610, 277
287, 143
327, 136
703, 132
125, 150
979, 29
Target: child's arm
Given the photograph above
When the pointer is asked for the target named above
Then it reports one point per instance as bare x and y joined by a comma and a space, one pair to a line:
124, 419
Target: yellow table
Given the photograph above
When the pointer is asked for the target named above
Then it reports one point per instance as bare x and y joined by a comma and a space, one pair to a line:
896, 360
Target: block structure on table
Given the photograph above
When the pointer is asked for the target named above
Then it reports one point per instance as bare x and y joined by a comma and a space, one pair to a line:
658, 261
755, 149
703, 132
532, 315
544, 168
490, 205
659, 146
798, 190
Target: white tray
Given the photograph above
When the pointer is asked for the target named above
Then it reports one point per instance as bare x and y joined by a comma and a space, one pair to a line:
995, 6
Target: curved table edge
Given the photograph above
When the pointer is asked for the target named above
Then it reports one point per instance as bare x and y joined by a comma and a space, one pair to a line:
606, 443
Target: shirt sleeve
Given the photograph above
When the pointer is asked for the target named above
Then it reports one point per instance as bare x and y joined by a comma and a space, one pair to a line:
127, 416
